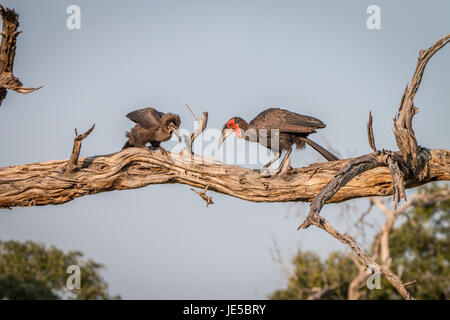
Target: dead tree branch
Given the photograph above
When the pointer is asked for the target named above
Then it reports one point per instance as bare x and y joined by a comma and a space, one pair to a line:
411, 163
202, 122
351, 170
203, 195
370, 133
44, 183
381, 247
72, 165
7, 53
362, 256
414, 155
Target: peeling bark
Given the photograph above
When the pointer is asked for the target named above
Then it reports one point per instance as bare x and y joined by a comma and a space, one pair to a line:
7, 53
45, 182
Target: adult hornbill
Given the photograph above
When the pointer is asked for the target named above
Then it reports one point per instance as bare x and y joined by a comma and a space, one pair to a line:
274, 123
152, 126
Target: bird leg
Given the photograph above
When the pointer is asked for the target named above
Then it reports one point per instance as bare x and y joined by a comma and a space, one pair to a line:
277, 156
267, 172
286, 162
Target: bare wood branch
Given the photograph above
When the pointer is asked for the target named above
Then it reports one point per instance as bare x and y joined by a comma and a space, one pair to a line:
351, 170
411, 163
357, 283
370, 133
192, 112
203, 195
384, 234
410, 283
202, 126
362, 256
382, 240
7, 53
360, 280
398, 179
202, 123
42, 183
391, 217
72, 164
404, 133
346, 174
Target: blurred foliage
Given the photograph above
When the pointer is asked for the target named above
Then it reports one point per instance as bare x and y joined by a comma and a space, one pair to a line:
310, 272
29, 270
419, 248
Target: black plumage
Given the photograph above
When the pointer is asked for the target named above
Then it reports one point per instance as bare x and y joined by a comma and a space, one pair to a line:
152, 126
287, 127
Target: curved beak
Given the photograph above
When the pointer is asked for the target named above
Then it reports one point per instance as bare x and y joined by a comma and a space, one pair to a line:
175, 130
178, 134
225, 133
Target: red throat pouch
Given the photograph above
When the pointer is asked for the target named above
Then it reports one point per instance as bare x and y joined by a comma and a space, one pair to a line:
237, 131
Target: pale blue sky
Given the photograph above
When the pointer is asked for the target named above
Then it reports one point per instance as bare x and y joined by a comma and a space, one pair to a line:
228, 58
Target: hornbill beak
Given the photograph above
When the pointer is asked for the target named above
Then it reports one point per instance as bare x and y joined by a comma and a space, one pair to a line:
225, 133
178, 134
175, 130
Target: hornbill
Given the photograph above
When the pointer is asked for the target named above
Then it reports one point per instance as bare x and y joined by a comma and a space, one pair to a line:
152, 127
274, 123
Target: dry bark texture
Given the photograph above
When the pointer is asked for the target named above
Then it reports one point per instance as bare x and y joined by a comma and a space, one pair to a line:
47, 183
72, 164
7, 53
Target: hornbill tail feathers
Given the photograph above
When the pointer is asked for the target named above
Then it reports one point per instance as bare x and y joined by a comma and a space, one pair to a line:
325, 153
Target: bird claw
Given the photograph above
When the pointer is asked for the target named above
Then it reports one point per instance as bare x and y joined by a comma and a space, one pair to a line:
163, 151
266, 172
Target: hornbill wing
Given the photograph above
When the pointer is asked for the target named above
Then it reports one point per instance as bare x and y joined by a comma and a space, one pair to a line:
148, 117
289, 128
292, 118
286, 121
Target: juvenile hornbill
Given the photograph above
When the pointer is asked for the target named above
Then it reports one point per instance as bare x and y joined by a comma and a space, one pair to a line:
274, 123
152, 127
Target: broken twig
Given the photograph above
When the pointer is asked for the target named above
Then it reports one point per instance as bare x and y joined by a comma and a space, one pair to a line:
72, 165
204, 196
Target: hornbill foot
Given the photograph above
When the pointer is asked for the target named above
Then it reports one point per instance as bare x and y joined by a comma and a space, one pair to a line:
163, 151
266, 172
